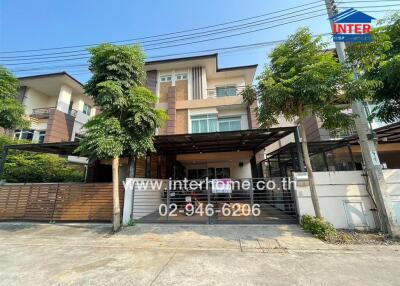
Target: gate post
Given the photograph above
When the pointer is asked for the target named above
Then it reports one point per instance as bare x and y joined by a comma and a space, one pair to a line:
208, 202
168, 199
251, 198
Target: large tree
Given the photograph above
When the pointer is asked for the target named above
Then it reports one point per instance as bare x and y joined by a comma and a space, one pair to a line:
380, 61
11, 108
304, 79
129, 118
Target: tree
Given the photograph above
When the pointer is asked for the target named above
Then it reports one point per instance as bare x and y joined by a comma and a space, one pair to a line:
129, 118
11, 109
379, 61
304, 79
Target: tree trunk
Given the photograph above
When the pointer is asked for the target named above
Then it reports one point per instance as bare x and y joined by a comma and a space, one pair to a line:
116, 209
313, 191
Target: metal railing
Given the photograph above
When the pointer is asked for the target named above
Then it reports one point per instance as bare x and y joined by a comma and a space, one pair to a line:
42, 112
221, 92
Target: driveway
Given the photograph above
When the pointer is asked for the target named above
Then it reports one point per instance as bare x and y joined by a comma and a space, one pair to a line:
87, 254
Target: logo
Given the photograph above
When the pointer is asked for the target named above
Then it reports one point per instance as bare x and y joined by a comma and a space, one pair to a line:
352, 26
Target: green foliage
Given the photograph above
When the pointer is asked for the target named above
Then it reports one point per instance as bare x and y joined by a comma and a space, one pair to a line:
131, 222
305, 79
129, 118
319, 227
27, 167
379, 62
11, 109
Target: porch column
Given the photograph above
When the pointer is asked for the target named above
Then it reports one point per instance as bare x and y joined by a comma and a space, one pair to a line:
253, 164
64, 98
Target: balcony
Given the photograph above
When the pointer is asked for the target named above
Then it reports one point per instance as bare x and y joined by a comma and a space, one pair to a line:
224, 91
44, 113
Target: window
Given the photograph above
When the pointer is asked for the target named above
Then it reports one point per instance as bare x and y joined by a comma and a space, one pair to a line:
181, 76
211, 123
229, 124
211, 173
87, 109
226, 91
204, 123
24, 134
166, 78
42, 135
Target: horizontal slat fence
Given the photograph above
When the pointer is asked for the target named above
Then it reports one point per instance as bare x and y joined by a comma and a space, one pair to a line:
57, 202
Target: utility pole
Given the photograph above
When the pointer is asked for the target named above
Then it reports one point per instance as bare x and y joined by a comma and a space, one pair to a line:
368, 148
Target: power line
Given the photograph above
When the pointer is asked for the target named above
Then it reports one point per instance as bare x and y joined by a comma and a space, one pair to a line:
165, 34
186, 37
189, 43
237, 47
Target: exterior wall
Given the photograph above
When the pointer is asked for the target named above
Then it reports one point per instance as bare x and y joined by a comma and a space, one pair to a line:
60, 126
35, 99
182, 122
181, 90
344, 199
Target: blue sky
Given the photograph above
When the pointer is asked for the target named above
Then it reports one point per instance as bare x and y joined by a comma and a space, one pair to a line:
41, 24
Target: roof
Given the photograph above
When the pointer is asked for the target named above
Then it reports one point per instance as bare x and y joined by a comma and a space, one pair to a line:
200, 57
50, 84
57, 74
209, 62
352, 16
244, 140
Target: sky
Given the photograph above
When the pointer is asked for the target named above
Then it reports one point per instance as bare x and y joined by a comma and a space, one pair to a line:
43, 24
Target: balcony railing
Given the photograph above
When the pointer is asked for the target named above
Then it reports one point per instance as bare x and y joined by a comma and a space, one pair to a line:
227, 91
42, 113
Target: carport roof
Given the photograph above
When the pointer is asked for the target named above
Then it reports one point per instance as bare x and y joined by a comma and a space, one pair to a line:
244, 140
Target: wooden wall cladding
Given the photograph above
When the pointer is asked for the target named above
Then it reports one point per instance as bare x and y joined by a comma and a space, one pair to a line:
57, 202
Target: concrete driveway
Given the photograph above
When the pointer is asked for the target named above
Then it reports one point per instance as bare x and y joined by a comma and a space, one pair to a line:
83, 254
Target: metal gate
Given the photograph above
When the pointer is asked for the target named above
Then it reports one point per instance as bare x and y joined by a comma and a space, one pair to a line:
222, 201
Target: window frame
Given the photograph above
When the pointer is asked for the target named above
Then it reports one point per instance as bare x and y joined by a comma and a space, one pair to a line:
164, 78
87, 106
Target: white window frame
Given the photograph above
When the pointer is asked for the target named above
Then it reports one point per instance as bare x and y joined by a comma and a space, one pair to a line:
166, 78
85, 109
181, 76
231, 119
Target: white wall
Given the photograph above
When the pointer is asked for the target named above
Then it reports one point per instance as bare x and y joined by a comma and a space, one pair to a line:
35, 99
145, 200
213, 83
343, 197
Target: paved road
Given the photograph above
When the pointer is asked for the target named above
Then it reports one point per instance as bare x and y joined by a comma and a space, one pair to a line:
80, 254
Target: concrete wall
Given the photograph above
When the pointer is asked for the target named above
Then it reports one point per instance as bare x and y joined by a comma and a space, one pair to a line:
145, 200
343, 197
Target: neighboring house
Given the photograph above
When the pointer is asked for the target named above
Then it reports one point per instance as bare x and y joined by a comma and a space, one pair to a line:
56, 106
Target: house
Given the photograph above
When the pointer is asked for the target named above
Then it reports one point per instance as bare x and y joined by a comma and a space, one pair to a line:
210, 131
56, 107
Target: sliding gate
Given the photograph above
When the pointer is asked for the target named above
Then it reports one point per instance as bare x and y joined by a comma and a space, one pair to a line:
222, 201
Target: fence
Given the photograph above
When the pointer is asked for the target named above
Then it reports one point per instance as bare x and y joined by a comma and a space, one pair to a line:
57, 202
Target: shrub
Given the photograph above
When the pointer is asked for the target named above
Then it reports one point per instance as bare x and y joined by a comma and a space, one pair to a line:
319, 227
29, 167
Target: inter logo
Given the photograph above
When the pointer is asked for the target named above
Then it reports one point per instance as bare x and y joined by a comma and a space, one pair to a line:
352, 26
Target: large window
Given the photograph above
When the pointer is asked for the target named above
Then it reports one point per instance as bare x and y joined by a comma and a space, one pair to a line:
211, 173
229, 124
210, 123
24, 134
226, 91
204, 123
87, 109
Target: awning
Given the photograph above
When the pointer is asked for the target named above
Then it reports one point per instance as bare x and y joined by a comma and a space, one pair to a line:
255, 140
